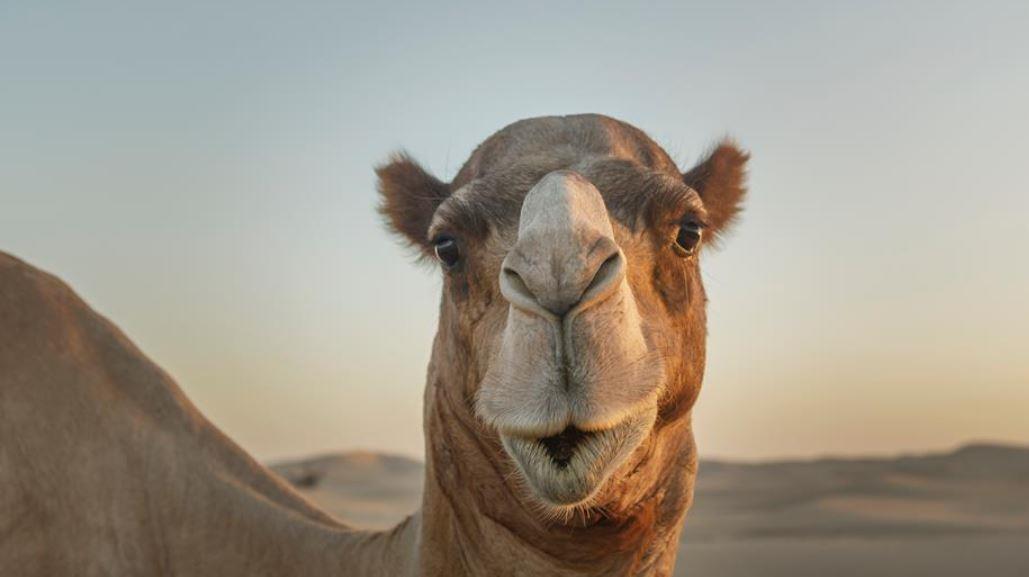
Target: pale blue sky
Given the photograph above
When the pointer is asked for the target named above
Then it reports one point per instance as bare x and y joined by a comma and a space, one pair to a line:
202, 175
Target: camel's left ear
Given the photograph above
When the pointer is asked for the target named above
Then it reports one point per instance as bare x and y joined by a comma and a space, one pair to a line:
410, 196
721, 181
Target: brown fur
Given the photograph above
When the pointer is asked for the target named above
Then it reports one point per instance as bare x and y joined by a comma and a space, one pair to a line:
721, 181
107, 469
410, 196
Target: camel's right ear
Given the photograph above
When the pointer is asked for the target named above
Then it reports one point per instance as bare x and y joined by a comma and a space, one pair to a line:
410, 196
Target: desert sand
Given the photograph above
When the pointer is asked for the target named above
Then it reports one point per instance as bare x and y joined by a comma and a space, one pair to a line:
957, 513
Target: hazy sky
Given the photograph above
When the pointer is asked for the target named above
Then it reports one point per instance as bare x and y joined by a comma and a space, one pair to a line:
202, 175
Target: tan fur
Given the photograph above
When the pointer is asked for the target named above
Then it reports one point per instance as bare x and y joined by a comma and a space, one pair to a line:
107, 469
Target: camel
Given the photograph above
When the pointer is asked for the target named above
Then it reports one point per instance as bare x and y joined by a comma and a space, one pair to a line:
569, 354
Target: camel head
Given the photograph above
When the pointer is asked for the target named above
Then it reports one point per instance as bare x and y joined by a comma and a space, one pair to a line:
572, 325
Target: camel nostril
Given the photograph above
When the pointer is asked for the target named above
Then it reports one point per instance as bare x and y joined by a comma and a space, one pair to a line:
557, 295
516, 290
516, 285
606, 274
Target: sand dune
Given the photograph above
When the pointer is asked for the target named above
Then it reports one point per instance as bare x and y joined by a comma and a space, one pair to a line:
366, 489
934, 514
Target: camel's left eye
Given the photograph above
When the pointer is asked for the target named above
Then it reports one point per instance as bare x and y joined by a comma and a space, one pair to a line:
688, 238
447, 252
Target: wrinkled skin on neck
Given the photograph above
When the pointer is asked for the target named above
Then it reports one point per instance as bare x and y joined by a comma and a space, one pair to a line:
478, 520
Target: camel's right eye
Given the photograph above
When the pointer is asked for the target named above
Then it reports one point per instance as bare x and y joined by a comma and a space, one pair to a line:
447, 252
688, 238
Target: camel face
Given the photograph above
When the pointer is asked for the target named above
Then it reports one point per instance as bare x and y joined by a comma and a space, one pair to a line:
573, 317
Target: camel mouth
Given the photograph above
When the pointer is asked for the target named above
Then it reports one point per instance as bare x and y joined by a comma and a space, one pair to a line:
568, 470
561, 447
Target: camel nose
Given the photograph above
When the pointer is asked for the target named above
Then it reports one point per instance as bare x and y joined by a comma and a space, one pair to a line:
565, 257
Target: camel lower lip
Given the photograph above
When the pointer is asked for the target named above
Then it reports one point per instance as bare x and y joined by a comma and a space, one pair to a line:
569, 468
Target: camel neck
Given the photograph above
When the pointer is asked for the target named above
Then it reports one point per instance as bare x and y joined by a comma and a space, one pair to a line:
476, 520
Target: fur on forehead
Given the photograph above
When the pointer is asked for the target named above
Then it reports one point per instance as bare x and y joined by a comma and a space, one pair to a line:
635, 175
635, 196
563, 140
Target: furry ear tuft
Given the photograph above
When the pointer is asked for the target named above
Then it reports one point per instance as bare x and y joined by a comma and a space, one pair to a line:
409, 198
721, 181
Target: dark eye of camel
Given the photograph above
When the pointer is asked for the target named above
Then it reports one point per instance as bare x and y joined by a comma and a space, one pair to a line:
447, 251
688, 238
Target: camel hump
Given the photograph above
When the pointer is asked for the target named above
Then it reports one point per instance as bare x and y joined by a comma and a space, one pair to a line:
36, 308
42, 318
19, 279
51, 339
